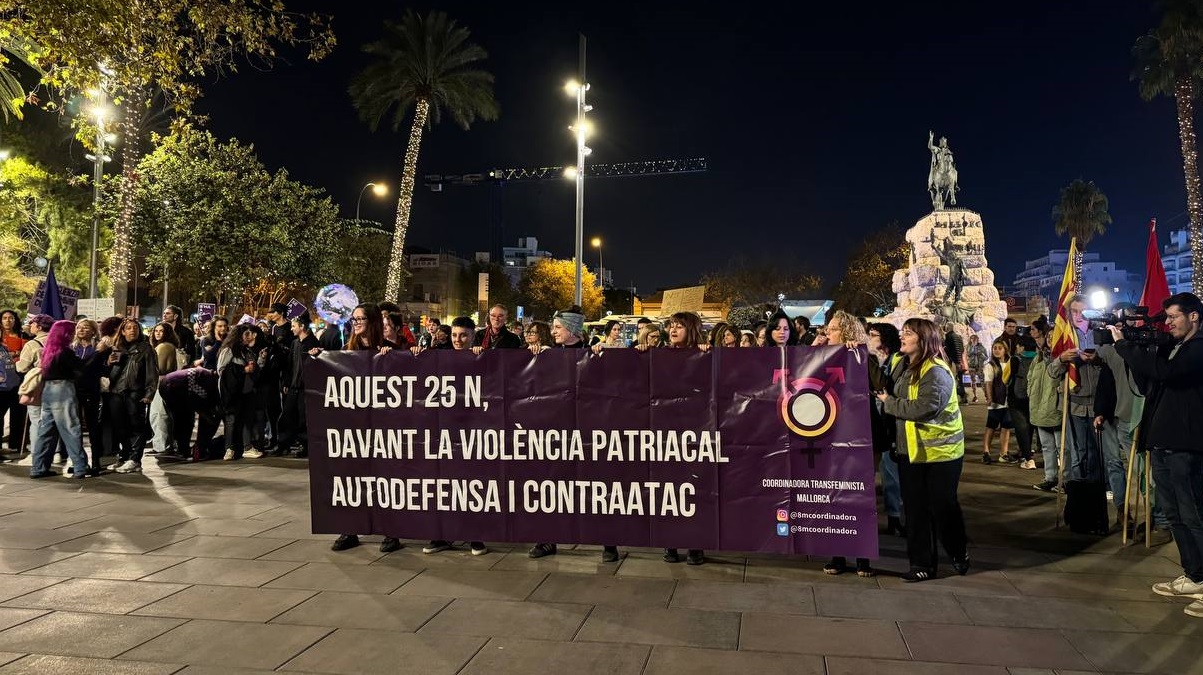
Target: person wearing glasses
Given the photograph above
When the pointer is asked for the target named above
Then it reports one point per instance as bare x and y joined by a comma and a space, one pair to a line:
496, 335
538, 337
1172, 434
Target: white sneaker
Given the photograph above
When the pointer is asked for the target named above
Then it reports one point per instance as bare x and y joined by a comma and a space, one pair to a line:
1028, 464
1182, 586
130, 466
228, 456
1194, 609
252, 454
116, 465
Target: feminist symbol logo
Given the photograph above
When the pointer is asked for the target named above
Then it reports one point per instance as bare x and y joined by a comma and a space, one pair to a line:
809, 405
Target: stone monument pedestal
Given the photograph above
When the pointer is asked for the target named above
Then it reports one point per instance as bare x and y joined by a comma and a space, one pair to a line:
923, 287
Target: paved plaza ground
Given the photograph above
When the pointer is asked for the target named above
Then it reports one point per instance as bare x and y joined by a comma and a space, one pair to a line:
211, 568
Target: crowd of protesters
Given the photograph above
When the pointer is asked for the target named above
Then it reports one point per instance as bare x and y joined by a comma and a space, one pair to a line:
130, 392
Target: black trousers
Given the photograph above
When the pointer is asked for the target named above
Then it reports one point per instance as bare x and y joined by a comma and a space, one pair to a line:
268, 425
183, 415
132, 423
929, 496
1023, 428
10, 403
110, 436
292, 420
89, 412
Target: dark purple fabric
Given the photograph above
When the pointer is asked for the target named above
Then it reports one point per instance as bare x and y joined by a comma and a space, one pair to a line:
756, 501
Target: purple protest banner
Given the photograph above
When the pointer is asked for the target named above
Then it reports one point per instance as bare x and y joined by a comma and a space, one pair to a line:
735, 449
295, 308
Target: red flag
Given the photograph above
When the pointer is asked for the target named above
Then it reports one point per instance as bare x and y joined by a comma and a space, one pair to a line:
1156, 289
1065, 334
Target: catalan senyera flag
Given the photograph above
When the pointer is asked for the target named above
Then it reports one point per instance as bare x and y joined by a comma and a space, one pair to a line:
1065, 336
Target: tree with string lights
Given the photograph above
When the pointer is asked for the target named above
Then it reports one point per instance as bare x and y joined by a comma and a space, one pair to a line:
1081, 213
127, 50
1169, 62
424, 63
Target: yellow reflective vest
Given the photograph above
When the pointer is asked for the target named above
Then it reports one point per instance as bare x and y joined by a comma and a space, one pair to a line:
942, 438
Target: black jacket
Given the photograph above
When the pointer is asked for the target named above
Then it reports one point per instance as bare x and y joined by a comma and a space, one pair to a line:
1104, 394
137, 370
300, 352
1173, 414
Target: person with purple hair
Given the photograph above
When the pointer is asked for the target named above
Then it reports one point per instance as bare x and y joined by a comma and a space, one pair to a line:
60, 408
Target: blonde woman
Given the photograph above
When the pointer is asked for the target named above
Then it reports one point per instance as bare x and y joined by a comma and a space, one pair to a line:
649, 337
166, 344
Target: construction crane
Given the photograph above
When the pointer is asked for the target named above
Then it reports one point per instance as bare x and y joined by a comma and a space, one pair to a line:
498, 178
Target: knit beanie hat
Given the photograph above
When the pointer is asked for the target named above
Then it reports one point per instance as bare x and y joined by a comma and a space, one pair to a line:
572, 319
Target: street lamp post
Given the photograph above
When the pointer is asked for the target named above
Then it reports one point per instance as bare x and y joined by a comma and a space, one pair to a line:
601, 269
378, 189
98, 161
578, 89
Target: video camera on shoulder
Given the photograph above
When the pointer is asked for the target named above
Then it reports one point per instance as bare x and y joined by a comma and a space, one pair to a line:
1137, 326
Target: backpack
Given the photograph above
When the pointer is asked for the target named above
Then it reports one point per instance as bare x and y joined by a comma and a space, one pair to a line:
30, 390
9, 377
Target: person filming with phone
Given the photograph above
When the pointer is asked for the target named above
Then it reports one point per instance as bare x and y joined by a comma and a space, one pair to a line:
1171, 430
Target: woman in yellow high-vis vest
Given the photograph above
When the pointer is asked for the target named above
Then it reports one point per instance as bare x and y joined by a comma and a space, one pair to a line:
931, 445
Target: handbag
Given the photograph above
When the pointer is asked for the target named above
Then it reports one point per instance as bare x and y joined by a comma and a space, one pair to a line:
30, 390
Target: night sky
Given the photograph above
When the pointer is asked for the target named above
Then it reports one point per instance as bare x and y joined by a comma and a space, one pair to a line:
814, 118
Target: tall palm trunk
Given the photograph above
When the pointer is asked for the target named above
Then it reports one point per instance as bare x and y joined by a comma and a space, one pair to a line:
1190, 167
405, 200
121, 254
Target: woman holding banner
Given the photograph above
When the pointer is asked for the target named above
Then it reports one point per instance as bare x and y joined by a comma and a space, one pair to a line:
845, 329
685, 332
931, 443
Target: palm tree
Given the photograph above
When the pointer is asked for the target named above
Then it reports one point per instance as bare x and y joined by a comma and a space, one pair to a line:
1081, 213
425, 63
1169, 62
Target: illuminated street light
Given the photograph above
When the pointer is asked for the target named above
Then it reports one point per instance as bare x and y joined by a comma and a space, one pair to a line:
378, 189
100, 111
601, 270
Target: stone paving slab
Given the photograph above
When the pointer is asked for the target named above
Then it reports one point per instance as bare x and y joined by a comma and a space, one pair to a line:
510, 655
783, 598
766, 632
346, 578
224, 572
403, 613
1137, 653
1031, 647
41, 664
222, 643
365, 652
481, 584
10, 617
12, 585
595, 590
845, 665
656, 626
14, 561
666, 660
51, 634
888, 605
508, 619
103, 596
121, 566
226, 603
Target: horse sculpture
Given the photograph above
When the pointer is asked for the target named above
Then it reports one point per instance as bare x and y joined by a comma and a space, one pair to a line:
942, 177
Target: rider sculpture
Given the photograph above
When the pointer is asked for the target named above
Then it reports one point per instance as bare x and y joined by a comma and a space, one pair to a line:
942, 178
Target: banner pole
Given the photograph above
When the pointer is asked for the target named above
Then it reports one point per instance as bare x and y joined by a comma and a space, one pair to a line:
1128, 487
1061, 452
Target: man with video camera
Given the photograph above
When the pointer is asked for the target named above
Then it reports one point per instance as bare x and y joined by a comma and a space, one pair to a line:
1172, 433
